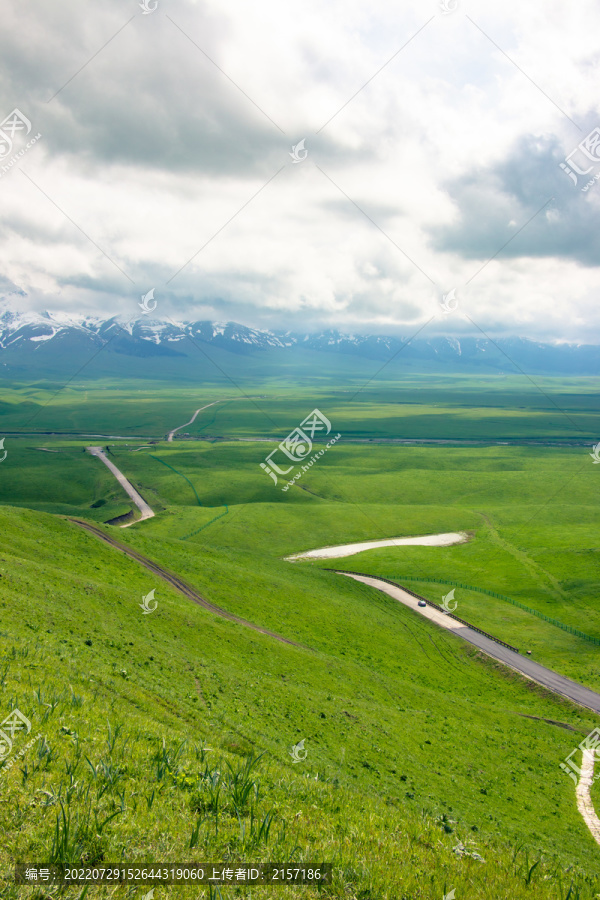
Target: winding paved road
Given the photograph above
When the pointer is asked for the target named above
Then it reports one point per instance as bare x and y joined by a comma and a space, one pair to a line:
546, 677
145, 510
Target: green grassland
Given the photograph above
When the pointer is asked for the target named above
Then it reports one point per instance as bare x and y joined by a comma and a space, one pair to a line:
531, 513
416, 743
415, 740
423, 407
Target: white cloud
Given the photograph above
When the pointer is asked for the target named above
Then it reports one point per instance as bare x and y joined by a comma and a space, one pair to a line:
152, 150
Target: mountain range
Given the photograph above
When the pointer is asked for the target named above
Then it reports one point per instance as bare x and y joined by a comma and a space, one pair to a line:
55, 342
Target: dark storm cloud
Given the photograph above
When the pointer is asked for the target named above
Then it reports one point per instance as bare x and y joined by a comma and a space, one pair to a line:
493, 203
150, 98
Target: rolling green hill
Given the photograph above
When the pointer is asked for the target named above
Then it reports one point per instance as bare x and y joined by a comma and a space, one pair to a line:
414, 741
422, 754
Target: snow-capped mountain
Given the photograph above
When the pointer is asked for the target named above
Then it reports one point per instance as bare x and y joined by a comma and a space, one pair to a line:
21, 329
41, 340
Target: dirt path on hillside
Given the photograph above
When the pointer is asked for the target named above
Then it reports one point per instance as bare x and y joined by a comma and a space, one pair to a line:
538, 573
178, 583
145, 510
584, 799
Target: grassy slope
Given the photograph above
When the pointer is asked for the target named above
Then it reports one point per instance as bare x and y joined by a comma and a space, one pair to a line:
62, 482
542, 554
382, 698
414, 741
531, 512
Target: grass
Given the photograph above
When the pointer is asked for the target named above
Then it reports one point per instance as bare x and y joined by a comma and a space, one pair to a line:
528, 509
492, 408
167, 737
398, 772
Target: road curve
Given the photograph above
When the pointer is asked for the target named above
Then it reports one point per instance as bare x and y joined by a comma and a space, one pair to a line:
551, 680
175, 430
178, 583
145, 510
425, 540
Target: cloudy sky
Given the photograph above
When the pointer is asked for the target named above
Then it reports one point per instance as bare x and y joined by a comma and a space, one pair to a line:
431, 162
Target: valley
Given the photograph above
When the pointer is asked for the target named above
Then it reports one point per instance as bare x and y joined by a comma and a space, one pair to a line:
299, 451
416, 741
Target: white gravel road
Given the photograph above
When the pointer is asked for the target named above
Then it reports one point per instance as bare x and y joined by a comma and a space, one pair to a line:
582, 792
145, 510
426, 540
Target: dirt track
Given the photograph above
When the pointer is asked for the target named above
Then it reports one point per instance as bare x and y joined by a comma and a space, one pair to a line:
175, 430
179, 585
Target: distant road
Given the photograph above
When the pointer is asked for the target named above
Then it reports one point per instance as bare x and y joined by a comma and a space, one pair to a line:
556, 683
145, 510
171, 433
482, 442
178, 583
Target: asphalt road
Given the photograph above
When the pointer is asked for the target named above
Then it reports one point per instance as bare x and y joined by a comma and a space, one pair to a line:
523, 664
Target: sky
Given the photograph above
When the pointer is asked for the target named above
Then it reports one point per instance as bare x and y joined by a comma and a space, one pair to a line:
150, 145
